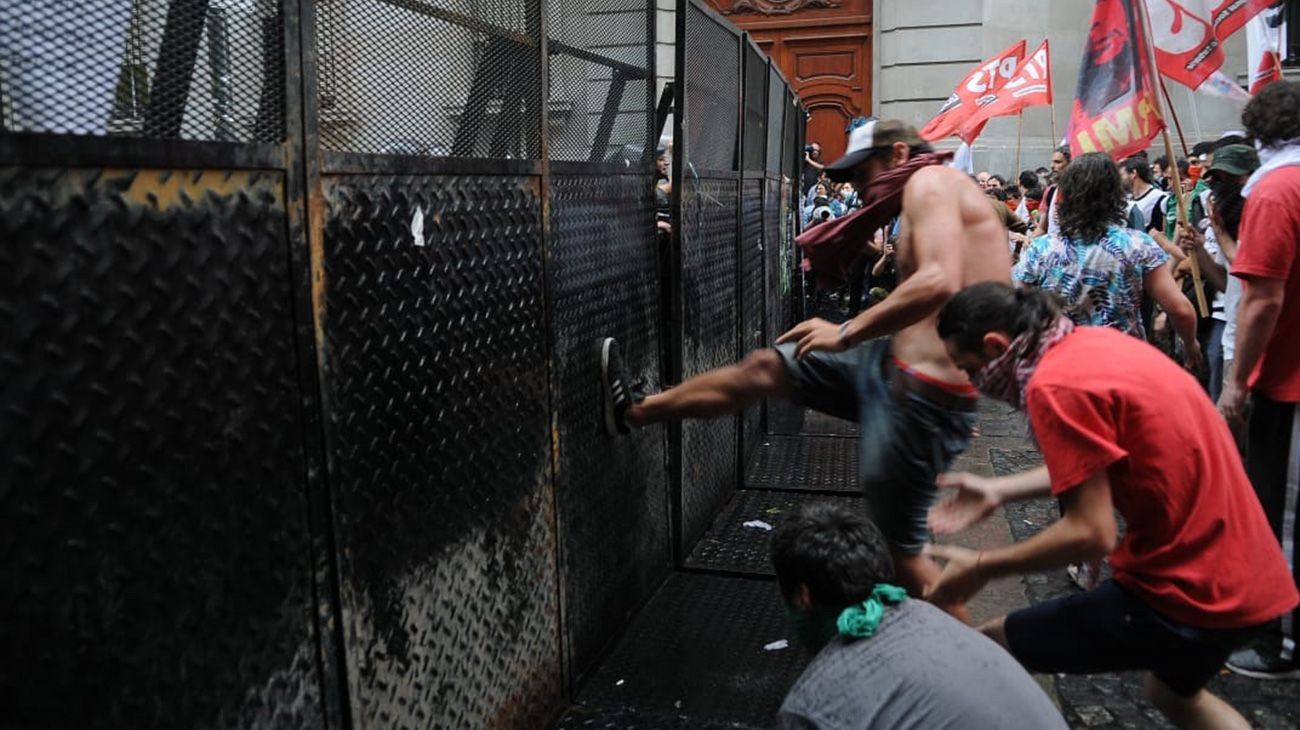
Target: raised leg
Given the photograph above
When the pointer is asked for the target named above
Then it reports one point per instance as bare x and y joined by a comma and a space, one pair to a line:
717, 392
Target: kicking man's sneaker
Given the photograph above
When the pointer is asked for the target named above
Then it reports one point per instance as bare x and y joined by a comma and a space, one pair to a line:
618, 391
1261, 664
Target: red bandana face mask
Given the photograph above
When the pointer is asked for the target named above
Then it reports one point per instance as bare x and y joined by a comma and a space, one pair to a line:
831, 248
1006, 377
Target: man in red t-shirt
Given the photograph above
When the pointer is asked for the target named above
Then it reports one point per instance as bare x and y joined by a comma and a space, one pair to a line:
1121, 427
1267, 361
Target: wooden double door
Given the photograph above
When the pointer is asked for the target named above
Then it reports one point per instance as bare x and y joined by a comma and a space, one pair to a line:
824, 49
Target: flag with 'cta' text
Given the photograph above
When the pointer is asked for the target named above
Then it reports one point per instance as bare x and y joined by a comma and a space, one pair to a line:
982, 82
1031, 85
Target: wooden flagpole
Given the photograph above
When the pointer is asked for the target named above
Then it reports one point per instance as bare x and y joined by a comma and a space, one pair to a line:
1201, 306
1020, 128
1051, 84
1055, 140
1178, 126
1277, 53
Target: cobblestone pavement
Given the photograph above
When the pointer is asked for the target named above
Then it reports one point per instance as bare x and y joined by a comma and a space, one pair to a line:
1106, 700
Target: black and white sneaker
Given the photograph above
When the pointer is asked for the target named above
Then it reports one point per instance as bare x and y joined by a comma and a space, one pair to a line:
618, 391
1260, 664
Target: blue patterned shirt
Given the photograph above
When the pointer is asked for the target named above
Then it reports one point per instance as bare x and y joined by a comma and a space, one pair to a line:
1100, 282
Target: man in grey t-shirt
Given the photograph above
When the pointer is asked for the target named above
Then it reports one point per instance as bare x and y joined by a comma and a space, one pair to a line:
885, 661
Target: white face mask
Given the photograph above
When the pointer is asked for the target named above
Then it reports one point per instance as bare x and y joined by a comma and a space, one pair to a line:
1283, 154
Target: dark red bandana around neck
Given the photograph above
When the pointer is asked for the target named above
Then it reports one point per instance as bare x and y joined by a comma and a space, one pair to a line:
830, 248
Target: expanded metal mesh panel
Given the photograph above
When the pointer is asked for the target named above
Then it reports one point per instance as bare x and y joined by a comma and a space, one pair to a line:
782, 416
795, 139
775, 116
612, 492
175, 69
709, 293
443, 78
154, 528
793, 123
754, 144
806, 463
599, 108
440, 449
821, 424
712, 91
752, 336
752, 247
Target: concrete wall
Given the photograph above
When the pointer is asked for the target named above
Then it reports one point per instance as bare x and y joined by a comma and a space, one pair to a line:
924, 49
665, 54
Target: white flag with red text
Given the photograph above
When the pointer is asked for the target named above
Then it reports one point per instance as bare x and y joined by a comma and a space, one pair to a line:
1188, 34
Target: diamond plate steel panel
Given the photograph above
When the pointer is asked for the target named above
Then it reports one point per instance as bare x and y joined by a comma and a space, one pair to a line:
438, 436
612, 492
709, 321
712, 79
731, 546
697, 650
155, 514
751, 298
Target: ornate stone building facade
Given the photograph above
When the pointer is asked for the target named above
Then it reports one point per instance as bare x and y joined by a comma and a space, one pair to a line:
824, 48
901, 58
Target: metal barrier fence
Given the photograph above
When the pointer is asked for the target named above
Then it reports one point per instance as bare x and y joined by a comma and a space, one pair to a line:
298, 307
739, 142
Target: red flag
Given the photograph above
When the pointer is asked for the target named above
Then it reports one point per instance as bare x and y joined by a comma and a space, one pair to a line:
1116, 109
1030, 86
1187, 34
988, 77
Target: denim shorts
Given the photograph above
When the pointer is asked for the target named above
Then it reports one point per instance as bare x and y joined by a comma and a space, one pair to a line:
905, 440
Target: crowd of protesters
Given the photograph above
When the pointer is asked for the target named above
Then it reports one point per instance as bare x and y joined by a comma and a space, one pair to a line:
1109, 257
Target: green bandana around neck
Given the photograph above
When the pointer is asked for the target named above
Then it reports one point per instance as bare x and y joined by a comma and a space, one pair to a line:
862, 620
816, 626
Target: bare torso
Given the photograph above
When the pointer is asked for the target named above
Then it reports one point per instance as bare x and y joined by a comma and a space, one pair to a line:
982, 243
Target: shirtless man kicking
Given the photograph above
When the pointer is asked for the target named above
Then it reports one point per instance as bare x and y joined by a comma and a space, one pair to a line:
915, 408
